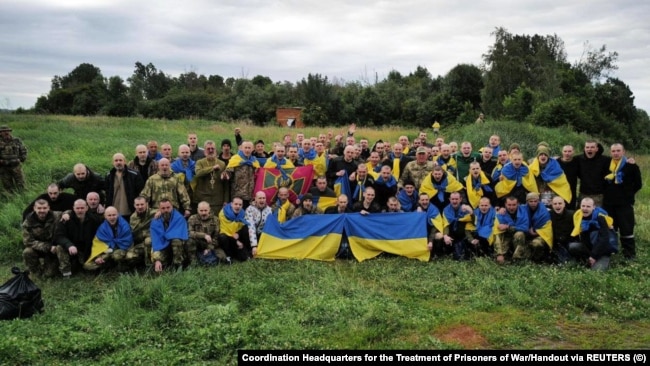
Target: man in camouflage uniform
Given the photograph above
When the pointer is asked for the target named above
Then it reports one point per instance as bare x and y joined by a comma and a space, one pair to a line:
204, 231
38, 237
140, 222
165, 185
416, 171
12, 154
241, 172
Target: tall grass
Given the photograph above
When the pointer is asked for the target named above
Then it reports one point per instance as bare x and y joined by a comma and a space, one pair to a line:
204, 315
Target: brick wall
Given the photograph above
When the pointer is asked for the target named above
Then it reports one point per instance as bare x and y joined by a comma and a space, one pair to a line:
283, 114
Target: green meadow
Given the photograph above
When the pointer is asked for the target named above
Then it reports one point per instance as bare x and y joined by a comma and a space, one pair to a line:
204, 315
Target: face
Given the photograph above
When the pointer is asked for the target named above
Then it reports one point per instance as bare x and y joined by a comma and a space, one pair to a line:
259, 148
225, 149
204, 211
435, 151
398, 149
533, 203
617, 151
247, 148
166, 151
404, 141
484, 205
342, 203
362, 171
80, 173
118, 162
53, 193
92, 200
140, 206
424, 200
80, 208
141, 152
440, 141
503, 157
283, 194
165, 208
517, 160
321, 184
379, 148
349, 140
409, 188
422, 136
445, 151
349, 153
567, 152
364, 144
287, 140
385, 173
192, 139
417, 143
153, 148
543, 159
308, 204
374, 158
466, 149
279, 152
320, 148
487, 153
421, 157
558, 204
260, 200
184, 152
369, 194
587, 207
437, 174
495, 140
210, 150
300, 137
453, 146
41, 210
591, 148
293, 153
6, 135
475, 170
306, 145
163, 167
111, 215
454, 200
511, 205
393, 205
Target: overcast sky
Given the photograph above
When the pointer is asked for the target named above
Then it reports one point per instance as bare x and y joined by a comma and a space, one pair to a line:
286, 40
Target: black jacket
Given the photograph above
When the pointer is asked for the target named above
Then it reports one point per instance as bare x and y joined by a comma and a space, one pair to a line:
133, 185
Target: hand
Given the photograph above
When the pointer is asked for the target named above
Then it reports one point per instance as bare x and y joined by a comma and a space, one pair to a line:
72, 250
447, 239
240, 245
237, 130
352, 129
364, 212
254, 251
157, 214
65, 217
208, 239
99, 260
216, 167
100, 209
53, 249
500, 259
187, 213
206, 251
429, 246
592, 261
158, 267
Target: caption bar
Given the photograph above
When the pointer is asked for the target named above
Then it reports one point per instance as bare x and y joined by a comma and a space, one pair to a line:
276, 357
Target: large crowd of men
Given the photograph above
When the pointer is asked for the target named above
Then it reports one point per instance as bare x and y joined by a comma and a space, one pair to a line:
162, 212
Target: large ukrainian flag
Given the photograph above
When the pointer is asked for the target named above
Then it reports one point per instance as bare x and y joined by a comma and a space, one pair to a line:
403, 234
305, 237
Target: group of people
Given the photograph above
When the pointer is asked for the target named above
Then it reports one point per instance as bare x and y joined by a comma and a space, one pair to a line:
202, 206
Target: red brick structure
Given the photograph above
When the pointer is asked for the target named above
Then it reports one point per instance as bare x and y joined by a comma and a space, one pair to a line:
289, 117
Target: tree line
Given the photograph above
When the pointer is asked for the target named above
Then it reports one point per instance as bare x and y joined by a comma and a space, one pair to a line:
522, 78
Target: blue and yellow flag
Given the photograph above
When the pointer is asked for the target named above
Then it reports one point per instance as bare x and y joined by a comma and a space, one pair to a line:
403, 234
540, 221
315, 237
324, 202
554, 177
342, 186
512, 178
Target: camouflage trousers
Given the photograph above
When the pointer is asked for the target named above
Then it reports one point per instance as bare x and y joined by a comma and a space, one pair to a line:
12, 178
178, 255
124, 259
535, 249
49, 267
68, 262
506, 243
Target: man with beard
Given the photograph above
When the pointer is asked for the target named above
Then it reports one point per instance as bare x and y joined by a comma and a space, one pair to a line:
12, 155
57, 200
122, 186
203, 231
233, 231
140, 223
165, 185
241, 171
306, 207
169, 233
38, 238
256, 215
210, 185
145, 165
82, 181
74, 238
113, 244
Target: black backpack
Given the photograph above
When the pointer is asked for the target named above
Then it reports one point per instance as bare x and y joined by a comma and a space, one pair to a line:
20, 297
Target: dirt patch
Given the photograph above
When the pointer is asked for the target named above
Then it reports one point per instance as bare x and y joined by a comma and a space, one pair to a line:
463, 335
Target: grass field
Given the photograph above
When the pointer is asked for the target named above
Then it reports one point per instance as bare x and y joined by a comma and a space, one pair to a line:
203, 315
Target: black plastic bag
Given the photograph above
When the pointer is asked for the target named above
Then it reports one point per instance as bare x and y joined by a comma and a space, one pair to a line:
20, 297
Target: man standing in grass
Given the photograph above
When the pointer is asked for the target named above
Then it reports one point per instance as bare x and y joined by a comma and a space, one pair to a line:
12, 154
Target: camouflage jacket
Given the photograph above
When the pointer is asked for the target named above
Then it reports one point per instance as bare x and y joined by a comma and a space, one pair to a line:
140, 225
157, 188
416, 173
39, 235
12, 152
199, 228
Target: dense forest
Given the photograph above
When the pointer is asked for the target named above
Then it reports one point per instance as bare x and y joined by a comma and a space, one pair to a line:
522, 78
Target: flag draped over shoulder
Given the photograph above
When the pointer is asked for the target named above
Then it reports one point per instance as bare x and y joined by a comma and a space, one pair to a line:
403, 234
476, 188
240, 159
324, 202
554, 177
486, 224
105, 238
342, 186
540, 221
616, 171
447, 184
580, 225
161, 237
305, 237
521, 223
514, 177
298, 180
